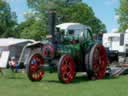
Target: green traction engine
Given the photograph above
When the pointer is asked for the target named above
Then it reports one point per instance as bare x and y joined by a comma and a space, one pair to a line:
69, 49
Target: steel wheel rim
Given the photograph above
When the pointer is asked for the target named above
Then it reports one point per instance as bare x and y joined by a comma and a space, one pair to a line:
34, 71
99, 62
67, 69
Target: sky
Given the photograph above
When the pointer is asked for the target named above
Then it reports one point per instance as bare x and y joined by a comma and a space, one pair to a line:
103, 9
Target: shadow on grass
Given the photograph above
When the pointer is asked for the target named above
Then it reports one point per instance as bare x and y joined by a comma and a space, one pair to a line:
80, 79
107, 77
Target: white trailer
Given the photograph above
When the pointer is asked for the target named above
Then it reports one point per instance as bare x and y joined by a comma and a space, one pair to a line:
116, 44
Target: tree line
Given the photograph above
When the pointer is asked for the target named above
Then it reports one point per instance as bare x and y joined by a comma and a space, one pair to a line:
35, 24
122, 13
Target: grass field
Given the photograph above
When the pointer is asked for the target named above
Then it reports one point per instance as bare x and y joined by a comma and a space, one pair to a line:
19, 85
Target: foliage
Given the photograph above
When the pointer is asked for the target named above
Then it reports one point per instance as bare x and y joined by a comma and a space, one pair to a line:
31, 29
122, 12
66, 12
84, 14
7, 20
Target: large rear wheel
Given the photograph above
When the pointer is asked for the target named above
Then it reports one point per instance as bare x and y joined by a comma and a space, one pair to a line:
33, 71
97, 62
66, 69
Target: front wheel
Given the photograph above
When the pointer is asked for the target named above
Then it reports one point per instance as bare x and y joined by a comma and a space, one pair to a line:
66, 69
33, 71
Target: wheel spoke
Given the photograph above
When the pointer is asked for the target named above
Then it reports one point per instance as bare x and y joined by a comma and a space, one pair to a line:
67, 69
99, 62
35, 74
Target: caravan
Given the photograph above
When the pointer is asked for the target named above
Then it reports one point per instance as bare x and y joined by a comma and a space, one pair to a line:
116, 45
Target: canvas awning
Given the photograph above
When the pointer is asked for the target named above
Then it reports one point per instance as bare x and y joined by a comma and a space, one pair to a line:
12, 41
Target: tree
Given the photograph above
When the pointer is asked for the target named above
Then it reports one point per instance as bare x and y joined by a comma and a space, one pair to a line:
84, 14
66, 12
122, 12
31, 29
7, 20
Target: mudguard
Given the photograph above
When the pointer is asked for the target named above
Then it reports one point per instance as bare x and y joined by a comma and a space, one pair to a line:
28, 50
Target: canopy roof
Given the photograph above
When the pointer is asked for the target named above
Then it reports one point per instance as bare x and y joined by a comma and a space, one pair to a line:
13, 41
70, 25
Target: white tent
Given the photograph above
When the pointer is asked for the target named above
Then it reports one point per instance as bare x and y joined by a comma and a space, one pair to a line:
11, 47
12, 41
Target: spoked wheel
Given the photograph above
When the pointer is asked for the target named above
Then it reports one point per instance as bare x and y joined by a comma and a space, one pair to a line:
33, 71
97, 62
66, 69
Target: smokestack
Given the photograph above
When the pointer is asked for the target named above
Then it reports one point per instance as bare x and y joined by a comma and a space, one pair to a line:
51, 23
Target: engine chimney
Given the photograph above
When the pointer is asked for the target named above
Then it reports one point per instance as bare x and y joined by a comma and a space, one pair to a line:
51, 23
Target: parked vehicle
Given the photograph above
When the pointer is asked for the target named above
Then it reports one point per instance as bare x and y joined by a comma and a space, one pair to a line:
116, 45
70, 49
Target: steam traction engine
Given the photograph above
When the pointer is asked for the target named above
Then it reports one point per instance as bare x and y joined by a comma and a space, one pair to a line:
70, 49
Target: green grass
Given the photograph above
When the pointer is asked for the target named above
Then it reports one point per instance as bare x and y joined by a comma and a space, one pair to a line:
19, 85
